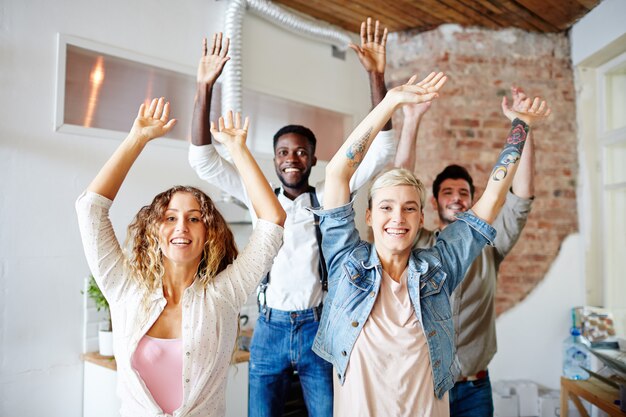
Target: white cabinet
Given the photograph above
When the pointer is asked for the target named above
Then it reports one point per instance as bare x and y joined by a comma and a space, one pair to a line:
100, 399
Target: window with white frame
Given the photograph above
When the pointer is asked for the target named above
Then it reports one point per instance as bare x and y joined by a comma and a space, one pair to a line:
611, 78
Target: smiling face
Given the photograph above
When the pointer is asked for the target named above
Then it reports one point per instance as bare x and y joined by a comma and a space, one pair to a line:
454, 197
182, 233
395, 217
293, 159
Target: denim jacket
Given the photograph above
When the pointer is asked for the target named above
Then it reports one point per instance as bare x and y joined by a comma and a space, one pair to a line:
354, 275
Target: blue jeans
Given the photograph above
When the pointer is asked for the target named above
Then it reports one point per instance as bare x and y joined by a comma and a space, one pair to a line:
281, 344
471, 399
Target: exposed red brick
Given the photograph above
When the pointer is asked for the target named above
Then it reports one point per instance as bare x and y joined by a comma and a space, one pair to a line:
496, 123
466, 126
464, 123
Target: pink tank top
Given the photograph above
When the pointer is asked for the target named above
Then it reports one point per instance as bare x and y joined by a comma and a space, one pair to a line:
159, 363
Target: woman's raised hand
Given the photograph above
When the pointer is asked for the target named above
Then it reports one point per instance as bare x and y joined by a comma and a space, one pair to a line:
229, 133
423, 91
530, 111
153, 121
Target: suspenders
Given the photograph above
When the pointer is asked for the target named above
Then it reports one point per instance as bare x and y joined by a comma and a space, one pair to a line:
261, 298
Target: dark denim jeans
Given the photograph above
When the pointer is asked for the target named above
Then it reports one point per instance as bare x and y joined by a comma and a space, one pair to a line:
471, 399
281, 344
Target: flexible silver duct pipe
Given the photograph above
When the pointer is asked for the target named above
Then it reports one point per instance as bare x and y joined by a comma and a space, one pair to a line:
231, 87
232, 91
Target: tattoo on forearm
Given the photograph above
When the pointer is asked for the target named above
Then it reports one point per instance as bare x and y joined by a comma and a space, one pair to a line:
512, 150
356, 151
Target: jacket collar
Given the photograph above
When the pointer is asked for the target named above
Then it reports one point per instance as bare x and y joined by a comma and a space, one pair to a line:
372, 261
417, 266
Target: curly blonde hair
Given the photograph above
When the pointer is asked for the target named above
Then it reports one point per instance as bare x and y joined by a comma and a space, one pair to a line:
145, 258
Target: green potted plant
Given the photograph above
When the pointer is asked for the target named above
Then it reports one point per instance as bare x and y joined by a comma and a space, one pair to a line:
105, 334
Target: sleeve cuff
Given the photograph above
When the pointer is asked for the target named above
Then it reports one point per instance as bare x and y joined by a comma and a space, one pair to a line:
269, 227
196, 152
95, 199
518, 202
337, 212
479, 225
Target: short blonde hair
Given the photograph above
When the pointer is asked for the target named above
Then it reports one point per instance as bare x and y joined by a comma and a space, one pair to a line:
394, 177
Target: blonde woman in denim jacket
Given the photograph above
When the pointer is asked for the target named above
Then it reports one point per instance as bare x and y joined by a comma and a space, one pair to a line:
387, 326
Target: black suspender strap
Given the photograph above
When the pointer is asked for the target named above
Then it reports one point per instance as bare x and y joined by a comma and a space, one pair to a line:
318, 235
323, 273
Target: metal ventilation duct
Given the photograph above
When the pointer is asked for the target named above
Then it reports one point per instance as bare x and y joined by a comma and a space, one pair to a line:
232, 91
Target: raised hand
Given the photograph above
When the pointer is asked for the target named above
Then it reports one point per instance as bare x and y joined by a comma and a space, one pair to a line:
416, 111
372, 52
529, 111
229, 133
518, 95
213, 59
421, 92
153, 121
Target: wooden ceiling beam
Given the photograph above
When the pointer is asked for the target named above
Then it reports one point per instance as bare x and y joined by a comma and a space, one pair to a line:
442, 13
326, 11
390, 18
420, 15
561, 14
477, 13
588, 4
501, 15
489, 5
409, 7
521, 13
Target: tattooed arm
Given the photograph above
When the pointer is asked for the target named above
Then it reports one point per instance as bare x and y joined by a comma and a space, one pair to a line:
524, 181
347, 159
372, 54
501, 177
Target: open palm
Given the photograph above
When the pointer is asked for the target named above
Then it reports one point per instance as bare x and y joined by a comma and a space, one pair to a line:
229, 133
372, 52
423, 91
153, 121
524, 108
213, 59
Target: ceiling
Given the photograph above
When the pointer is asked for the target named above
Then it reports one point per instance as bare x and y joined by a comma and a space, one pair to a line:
421, 15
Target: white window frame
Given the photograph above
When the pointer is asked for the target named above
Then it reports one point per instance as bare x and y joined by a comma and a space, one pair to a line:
63, 40
605, 138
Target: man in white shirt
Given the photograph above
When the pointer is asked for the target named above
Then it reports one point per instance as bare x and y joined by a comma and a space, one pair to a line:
290, 299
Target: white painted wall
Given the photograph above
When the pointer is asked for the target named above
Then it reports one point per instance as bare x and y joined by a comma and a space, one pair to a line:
598, 29
41, 260
530, 335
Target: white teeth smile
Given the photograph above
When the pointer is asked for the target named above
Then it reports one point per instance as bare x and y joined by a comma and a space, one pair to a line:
288, 170
180, 241
397, 231
455, 207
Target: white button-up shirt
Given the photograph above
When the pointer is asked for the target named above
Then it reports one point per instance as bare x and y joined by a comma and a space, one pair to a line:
209, 317
294, 279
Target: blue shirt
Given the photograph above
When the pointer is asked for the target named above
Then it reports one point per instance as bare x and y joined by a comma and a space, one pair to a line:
354, 275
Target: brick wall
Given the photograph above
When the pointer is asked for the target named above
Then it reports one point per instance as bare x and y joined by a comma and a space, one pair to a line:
466, 126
